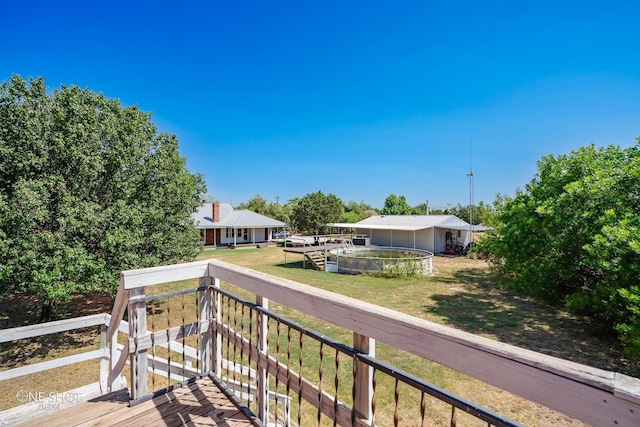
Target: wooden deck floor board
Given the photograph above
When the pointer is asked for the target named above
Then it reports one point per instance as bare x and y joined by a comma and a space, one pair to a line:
198, 404
82, 412
186, 404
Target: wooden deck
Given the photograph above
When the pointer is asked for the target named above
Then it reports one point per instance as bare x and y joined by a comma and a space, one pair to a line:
201, 403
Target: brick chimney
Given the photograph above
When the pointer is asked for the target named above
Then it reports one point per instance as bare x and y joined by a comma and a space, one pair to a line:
216, 212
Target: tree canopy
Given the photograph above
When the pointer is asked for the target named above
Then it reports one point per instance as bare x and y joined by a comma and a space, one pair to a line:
396, 205
573, 236
314, 210
257, 204
87, 188
354, 212
482, 212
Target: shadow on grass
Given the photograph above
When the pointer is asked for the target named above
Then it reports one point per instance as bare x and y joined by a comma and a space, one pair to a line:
37, 349
294, 264
482, 308
17, 310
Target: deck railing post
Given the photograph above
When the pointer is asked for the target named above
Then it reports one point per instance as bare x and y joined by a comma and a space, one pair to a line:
217, 344
205, 301
138, 359
104, 360
114, 355
363, 382
262, 386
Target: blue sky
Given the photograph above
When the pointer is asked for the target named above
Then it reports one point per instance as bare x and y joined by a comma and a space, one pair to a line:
356, 99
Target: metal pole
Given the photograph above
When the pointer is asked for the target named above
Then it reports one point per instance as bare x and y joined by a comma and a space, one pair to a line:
470, 175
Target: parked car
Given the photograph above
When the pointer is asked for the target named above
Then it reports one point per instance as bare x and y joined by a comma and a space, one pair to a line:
282, 235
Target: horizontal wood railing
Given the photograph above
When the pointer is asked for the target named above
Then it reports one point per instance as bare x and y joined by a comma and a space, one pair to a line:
42, 329
31, 331
595, 396
31, 402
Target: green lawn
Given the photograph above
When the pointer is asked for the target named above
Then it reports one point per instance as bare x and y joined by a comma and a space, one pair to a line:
460, 293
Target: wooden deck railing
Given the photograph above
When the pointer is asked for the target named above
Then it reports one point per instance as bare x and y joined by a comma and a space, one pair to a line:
15, 334
30, 400
278, 368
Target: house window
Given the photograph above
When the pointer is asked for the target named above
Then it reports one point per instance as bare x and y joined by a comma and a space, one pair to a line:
459, 233
227, 233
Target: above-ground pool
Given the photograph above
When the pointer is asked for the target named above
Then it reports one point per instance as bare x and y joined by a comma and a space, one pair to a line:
381, 259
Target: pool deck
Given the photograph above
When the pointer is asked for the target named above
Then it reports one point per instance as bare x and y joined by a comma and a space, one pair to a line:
305, 249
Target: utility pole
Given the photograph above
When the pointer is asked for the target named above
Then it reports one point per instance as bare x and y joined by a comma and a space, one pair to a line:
470, 175
277, 200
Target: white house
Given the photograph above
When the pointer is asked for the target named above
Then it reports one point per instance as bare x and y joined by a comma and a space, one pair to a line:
221, 225
433, 233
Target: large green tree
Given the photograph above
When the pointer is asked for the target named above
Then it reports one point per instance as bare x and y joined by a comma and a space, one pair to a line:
573, 236
260, 205
257, 204
396, 205
354, 212
87, 188
314, 210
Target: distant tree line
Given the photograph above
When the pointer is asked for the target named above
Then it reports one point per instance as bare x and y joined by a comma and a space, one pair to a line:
310, 213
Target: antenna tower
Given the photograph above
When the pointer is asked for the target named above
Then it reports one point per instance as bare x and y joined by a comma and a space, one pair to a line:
471, 190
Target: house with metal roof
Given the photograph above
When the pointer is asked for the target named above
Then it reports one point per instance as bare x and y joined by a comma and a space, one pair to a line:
221, 225
434, 233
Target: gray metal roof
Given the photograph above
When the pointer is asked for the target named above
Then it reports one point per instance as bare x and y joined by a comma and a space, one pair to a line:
248, 219
409, 223
230, 218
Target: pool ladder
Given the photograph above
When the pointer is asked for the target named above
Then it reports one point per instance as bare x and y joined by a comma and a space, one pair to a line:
348, 247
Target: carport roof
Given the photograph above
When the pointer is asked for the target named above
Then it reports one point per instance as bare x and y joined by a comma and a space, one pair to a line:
409, 223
